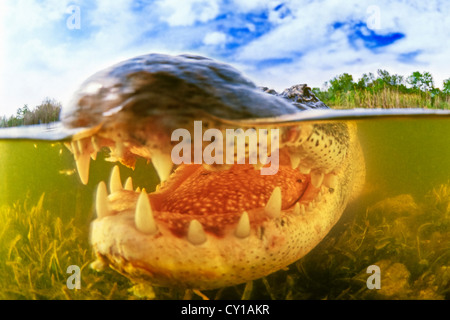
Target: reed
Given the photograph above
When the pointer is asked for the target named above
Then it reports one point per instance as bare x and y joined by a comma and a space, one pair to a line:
386, 98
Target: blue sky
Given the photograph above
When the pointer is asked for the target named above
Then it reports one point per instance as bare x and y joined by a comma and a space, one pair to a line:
48, 47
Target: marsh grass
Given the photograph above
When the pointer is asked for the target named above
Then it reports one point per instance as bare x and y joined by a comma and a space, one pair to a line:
409, 241
36, 248
386, 98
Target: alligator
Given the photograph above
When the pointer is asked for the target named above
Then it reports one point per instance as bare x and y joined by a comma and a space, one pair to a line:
207, 225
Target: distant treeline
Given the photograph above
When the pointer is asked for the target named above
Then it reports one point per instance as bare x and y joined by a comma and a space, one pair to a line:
381, 91
48, 111
385, 91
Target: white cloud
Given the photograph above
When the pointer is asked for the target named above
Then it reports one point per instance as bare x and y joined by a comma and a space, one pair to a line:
215, 38
187, 12
40, 57
319, 52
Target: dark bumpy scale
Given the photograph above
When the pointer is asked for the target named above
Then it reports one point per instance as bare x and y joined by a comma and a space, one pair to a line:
155, 83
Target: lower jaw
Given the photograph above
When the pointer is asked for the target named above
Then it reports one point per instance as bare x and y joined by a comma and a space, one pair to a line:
169, 258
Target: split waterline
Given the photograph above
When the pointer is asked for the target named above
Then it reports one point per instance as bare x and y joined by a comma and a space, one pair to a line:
407, 156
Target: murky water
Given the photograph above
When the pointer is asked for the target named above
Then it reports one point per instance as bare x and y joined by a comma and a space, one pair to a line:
400, 223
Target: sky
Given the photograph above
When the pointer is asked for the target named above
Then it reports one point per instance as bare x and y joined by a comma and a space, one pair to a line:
48, 47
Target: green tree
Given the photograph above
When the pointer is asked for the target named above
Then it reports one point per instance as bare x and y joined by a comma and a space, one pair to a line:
421, 81
342, 83
446, 86
365, 81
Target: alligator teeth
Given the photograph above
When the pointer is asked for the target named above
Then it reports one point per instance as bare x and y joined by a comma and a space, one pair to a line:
243, 227
295, 160
196, 235
330, 181
138, 189
304, 169
129, 184
82, 163
81, 147
101, 200
143, 217
94, 142
273, 206
302, 209
118, 151
115, 184
163, 165
75, 150
297, 209
318, 197
317, 178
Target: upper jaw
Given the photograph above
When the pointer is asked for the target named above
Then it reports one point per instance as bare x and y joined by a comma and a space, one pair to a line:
303, 147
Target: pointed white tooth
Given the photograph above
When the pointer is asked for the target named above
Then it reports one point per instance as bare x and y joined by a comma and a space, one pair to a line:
302, 209
75, 150
115, 184
129, 184
196, 235
319, 197
101, 200
273, 206
243, 227
138, 189
296, 208
304, 169
94, 142
317, 178
94, 156
80, 145
143, 217
83, 162
330, 181
163, 165
118, 151
295, 160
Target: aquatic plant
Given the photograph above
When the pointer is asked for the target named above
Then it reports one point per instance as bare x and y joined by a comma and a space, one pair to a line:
407, 239
36, 248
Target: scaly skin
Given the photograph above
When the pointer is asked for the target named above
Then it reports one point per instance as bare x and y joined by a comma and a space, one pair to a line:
208, 226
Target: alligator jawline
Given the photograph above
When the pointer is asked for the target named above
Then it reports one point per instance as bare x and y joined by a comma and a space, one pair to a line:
148, 235
214, 200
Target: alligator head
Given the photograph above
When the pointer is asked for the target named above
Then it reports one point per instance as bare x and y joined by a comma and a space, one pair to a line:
208, 225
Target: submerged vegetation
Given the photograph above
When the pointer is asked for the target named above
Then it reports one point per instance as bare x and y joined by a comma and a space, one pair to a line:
36, 248
408, 240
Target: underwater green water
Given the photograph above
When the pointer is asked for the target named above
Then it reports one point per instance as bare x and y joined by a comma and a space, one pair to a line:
401, 222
